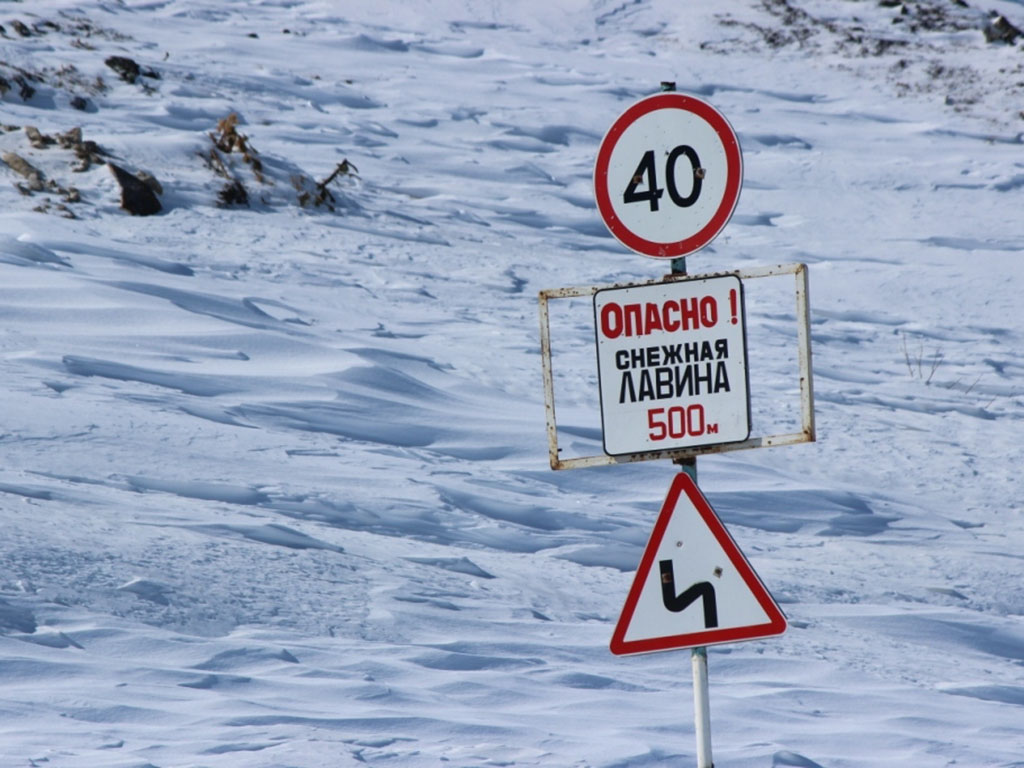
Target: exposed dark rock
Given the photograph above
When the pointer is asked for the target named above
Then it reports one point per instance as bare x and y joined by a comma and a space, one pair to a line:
1001, 30
129, 69
69, 139
25, 90
150, 181
136, 196
88, 153
20, 165
37, 139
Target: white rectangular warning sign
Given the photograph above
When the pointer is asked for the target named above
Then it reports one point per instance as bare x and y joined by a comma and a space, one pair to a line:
672, 364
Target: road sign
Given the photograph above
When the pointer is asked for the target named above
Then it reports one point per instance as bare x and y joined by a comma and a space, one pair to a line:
794, 400
672, 364
668, 175
693, 586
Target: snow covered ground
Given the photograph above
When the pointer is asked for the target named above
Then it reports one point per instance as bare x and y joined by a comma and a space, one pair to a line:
275, 488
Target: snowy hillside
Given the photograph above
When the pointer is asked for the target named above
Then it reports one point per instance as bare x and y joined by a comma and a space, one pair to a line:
275, 486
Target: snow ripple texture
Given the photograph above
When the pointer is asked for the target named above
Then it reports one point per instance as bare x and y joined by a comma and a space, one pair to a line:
275, 490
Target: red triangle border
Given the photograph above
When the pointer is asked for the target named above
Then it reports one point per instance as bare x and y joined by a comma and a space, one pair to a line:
776, 625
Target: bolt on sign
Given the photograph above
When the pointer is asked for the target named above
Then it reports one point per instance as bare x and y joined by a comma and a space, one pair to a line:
672, 364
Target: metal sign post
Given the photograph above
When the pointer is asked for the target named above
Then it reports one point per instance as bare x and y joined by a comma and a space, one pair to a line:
673, 378
698, 655
701, 706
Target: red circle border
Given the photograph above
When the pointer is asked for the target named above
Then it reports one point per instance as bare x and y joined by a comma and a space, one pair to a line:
733, 181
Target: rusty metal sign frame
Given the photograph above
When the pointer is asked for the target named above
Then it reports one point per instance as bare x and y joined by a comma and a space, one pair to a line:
806, 433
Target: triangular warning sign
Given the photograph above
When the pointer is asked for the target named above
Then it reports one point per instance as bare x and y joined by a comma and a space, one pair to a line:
693, 586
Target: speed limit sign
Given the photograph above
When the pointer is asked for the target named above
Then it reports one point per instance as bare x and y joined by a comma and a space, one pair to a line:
668, 175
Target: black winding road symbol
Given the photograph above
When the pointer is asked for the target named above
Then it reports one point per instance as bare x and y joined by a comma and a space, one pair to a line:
702, 590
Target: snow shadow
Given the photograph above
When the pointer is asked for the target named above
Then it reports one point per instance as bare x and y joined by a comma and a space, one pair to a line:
821, 511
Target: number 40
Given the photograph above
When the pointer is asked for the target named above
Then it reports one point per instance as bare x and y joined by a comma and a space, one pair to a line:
653, 193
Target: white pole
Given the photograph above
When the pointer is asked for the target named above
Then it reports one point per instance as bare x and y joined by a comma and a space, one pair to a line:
699, 655
702, 707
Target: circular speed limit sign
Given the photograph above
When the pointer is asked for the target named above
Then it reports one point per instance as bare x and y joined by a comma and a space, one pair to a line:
668, 175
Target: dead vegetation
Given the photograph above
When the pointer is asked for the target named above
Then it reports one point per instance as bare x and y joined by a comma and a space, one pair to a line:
919, 367
321, 195
226, 139
230, 154
227, 142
